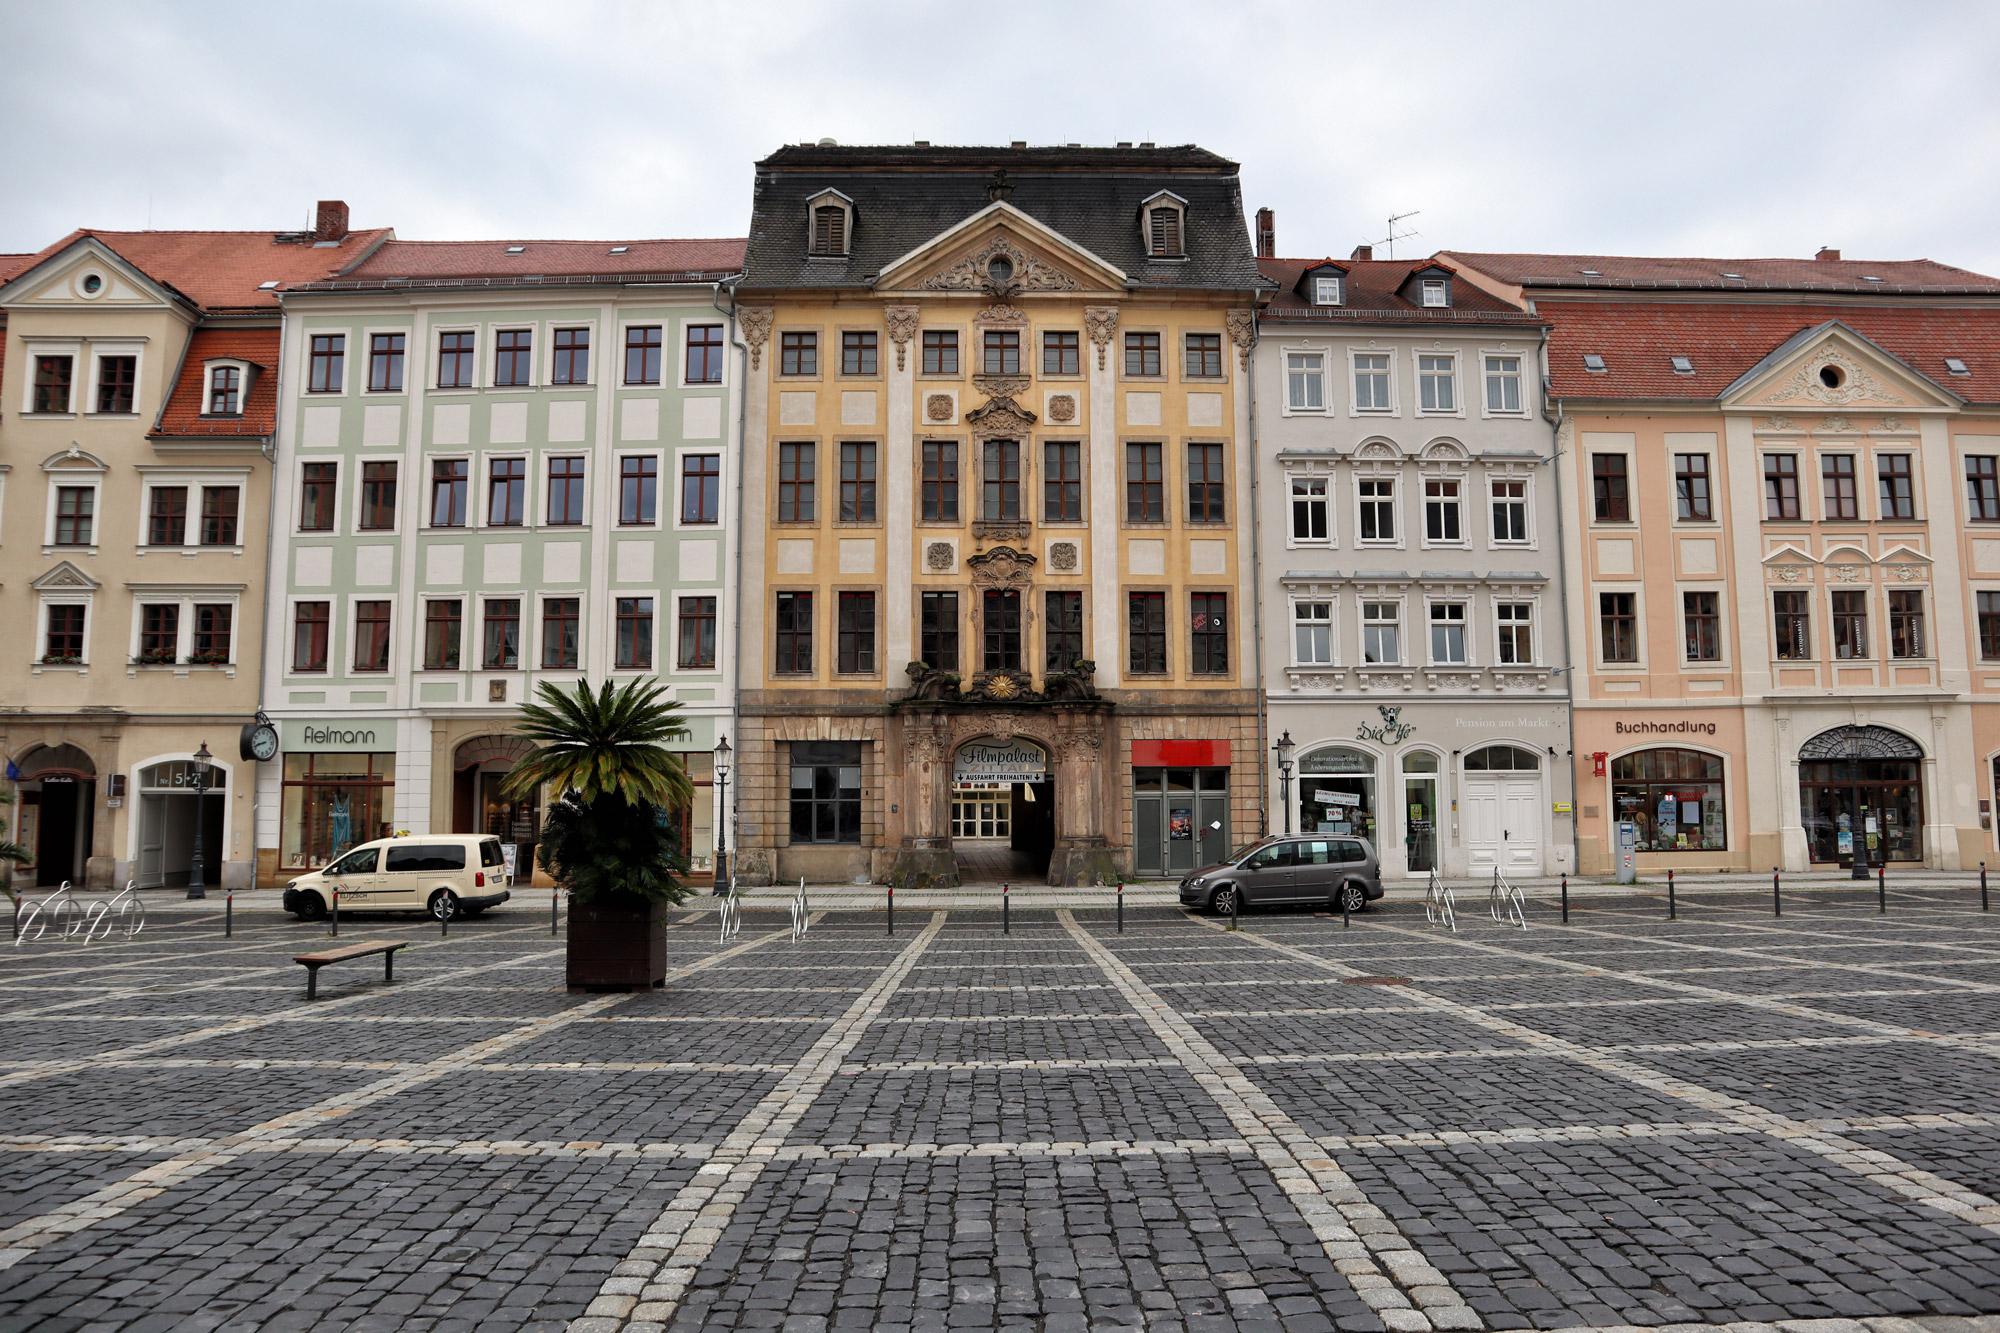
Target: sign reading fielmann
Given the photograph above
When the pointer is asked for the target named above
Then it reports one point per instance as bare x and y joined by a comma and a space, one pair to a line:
998, 762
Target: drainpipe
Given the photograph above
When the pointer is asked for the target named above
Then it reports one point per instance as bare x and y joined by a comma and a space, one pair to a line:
274, 558
724, 821
1257, 599
1562, 587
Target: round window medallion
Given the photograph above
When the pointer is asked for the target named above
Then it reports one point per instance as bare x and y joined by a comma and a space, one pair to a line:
1001, 269
93, 283
1831, 377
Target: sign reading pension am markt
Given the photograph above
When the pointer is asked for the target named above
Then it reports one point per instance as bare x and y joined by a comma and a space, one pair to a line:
1000, 762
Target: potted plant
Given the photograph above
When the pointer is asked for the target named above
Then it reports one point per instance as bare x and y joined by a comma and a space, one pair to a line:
157, 657
607, 839
62, 659
209, 657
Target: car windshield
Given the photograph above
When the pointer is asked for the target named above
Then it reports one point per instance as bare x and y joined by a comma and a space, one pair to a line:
354, 863
1246, 849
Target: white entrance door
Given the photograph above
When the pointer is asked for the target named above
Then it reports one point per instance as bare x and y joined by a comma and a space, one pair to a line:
1503, 824
152, 842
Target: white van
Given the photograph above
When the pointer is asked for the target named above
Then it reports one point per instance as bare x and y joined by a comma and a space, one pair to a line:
460, 873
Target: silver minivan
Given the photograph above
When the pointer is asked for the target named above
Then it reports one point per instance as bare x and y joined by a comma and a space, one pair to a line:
1307, 868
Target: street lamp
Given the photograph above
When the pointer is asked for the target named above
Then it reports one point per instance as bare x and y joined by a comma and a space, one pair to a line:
722, 816
1284, 749
197, 886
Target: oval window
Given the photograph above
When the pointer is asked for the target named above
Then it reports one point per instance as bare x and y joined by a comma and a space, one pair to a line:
1001, 269
93, 283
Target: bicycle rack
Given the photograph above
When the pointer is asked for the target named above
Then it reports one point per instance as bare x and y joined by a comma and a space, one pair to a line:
124, 913
95, 921
1506, 902
730, 913
1440, 904
801, 913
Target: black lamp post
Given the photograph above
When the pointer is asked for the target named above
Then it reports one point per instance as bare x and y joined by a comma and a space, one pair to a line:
1284, 749
722, 816
197, 885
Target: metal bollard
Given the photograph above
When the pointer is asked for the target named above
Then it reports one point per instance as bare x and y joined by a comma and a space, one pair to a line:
1565, 889
229, 914
1673, 911
444, 917
336, 912
1121, 907
554, 896
1006, 919
1982, 889
892, 909
1346, 921
1777, 906
1882, 889
1235, 900
17, 903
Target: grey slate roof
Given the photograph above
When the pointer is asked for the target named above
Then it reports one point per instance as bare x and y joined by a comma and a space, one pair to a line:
904, 197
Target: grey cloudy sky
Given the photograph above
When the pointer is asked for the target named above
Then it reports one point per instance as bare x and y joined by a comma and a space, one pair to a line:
1732, 129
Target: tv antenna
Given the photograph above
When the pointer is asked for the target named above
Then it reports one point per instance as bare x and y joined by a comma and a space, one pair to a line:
1394, 235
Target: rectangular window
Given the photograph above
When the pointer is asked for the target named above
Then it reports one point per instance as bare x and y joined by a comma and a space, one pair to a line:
1691, 488
1146, 614
160, 633
938, 632
795, 483
513, 358
1312, 633
1608, 488
1000, 481
798, 354
566, 492
449, 478
1982, 487
638, 490
75, 514
225, 392
316, 496
826, 791
1208, 633
327, 366
1378, 511
1447, 633
704, 353
1701, 618
507, 492
1503, 384
1000, 630
1204, 483
1371, 383
572, 352
1898, 492
371, 636
1305, 381
559, 620
52, 380
1204, 356
1062, 482
857, 352
1989, 626
1063, 630
1309, 509
1850, 624
1062, 353
940, 481
503, 634
1142, 354
1906, 624
633, 649
378, 495
940, 351
1145, 484
701, 487
794, 625
1434, 293
385, 362
1437, 383
642, 354
166, 518
856, 646
1441, 516
213, 623
117, 382
1837, 488
1510, 511
444, 624
65, 637
1381, 633
857, 483
1515, 622
218, 515
1781, 486
697, 629
1792, 624
1618, 615
1326, 290
455, 360
309, 626
1002, 352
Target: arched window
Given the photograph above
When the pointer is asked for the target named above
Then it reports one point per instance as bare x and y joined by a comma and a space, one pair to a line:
1502, 759
1674, 796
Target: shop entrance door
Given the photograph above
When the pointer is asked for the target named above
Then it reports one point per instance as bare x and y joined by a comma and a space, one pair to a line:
1180, 819
1503, 810
1862, 784
64, 830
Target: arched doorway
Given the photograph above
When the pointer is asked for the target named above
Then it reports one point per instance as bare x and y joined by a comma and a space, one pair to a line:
1864, 782
58, 803
168, 806
1003, 810
479, 803
1502, 809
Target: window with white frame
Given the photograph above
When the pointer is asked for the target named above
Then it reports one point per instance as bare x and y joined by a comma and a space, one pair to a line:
1326, 289
1309, 518
1382, 633
1515, 622
1447, 634
1441, 511
1434, 292
225, 391
1503, 384
1378, 509
1305, 381
1510, 511
1312, 633
1371, 382
1437, 383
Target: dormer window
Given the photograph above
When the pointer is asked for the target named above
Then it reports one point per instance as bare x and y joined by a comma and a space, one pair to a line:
830, 224
1164, 219
225, 391
1326, 289
1436, 294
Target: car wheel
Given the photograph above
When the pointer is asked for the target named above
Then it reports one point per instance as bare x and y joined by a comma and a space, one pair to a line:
444, 903
1224, 901
311, 907
1352, 897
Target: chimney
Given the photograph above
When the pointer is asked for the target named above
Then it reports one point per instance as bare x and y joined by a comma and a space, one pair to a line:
331, 223
1363, 252
1827, 252
1267, 234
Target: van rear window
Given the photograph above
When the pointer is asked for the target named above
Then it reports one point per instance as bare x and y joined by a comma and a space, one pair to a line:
489, 854
422, 857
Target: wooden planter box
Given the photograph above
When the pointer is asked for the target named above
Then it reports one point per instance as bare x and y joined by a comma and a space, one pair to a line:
617, 944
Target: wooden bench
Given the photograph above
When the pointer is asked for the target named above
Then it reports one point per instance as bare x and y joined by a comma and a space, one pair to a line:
315, 961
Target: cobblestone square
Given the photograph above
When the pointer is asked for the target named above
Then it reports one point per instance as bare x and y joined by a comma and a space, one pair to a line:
1728, 1119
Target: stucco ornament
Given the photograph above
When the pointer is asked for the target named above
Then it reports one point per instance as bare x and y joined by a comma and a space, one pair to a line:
1846, 573
939, 407
1857, 382
755, 321
1391, 732
1062, 407
1892, 423
1063, 557
1836, 424
1788, 573
1001, 567
1002, 315
940, 556
1907, 571
1001, 386
902, 327
999, 418
1243, 332
974, 273
1102, 321
1777, 423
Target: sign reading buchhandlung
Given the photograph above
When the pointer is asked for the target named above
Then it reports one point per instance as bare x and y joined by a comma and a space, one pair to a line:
1000, 762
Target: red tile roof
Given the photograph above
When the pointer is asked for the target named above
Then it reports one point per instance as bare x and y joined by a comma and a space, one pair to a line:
1638, 338
182, 415
1625, 272
222, 271
419, 263
1373, 294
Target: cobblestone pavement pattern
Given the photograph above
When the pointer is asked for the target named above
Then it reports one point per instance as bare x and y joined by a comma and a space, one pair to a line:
1783, 1125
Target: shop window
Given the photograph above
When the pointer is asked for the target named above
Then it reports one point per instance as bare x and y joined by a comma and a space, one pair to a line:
1180, 818
1337, 792
1674, 796
1862, 783
826, 792
331, 802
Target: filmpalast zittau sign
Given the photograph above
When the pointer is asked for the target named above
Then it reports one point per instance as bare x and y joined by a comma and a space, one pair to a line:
1000, 762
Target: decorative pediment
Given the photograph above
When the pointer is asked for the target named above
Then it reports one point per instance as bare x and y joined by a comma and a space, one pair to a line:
1445, 451
1000, 251
65, 577
998, 419
1906, 565
1378, 451
1001, 268
1789, 564
74, 459
1831, 366
1001, 567
86, 273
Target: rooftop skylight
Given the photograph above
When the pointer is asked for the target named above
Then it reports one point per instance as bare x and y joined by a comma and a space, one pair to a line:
1869, 277
266, 286
1590, 273
1683, 365
1737, 276
1956, 365
620, 249
516, 249
1593, 362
